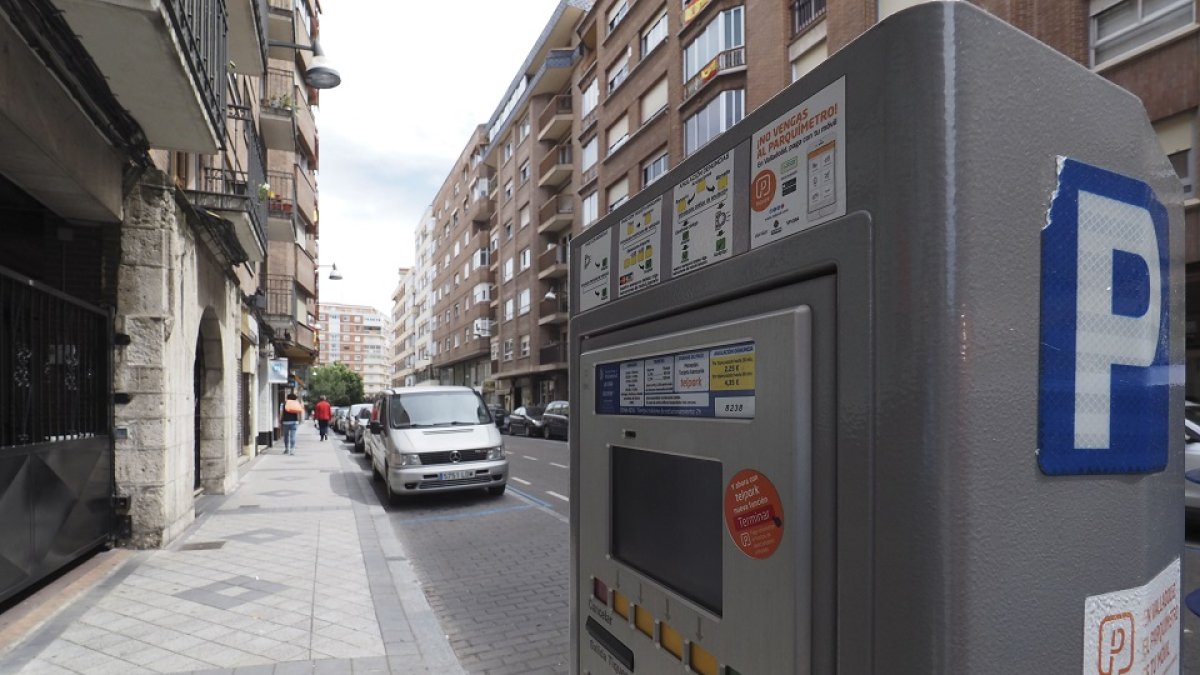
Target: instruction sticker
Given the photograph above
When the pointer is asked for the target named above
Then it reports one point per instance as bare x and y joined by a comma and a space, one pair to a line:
713, 382
1135, 630
799, 170
639, 246
753, 514
594, 279
701, 231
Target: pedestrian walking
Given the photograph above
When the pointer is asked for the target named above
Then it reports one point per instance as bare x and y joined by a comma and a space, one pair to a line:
323, 412
289, 421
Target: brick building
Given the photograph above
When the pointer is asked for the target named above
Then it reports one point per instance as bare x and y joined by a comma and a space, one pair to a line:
357, 336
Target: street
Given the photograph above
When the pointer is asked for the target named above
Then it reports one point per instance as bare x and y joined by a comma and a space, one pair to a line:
496, 570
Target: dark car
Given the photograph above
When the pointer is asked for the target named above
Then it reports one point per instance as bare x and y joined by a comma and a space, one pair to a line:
526, 421
556, 421
500, 415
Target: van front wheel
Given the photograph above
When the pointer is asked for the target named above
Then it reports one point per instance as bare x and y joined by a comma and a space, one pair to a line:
496, 490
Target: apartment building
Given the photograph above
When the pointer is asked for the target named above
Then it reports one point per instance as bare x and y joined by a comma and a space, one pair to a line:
136, 198
357, 336
400, 336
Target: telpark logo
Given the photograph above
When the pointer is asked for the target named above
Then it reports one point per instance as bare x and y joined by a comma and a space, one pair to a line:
1134, 631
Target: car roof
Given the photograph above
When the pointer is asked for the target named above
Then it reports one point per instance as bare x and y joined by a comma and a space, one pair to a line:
427, 389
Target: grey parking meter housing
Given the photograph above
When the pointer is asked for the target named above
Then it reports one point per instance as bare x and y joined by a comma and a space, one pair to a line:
907, 404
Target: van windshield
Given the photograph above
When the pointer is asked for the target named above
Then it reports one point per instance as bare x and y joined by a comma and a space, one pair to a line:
436, 409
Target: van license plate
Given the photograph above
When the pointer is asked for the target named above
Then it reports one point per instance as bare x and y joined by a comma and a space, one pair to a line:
456, 475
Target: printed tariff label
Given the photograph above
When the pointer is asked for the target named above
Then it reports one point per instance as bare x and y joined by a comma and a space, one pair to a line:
595, 272
639, 247
1135, 630
710, 382
702, 219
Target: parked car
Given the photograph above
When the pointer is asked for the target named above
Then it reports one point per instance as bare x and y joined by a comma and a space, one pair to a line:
339, 417
556, 420
1191, 457
356, 423
500, 415
434, 439
526, 421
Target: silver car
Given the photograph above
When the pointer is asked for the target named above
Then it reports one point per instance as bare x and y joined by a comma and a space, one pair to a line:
1191, 457
356, 424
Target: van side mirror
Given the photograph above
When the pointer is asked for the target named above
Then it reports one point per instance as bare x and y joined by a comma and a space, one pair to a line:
375, 427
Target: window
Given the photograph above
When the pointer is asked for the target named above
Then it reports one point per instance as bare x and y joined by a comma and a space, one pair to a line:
525, 259
654, 100
618, 72
589, 98
523, 173
523, 301
524, 345
713, 119
482, 293
508, 309
508, 269
456, 279
523, 130
616, 14
618, 192
617, 134
1181, 161
508, 191
483, 256
589, 154
496, 243
590, 209
507, 153
456, 342
1121, 26
655, 168
495, 351
654, 35
523, 216
1175, 136
508, 230
508, 346
723, 32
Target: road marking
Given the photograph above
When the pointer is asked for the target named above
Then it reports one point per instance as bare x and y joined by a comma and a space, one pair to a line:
555, 494
520, 480
561, 466
532, 459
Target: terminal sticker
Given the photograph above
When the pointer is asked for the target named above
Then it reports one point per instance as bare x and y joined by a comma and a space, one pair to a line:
799, 175
753, 514
711, 382
1135, 630
594, 278
701, 220
639, 245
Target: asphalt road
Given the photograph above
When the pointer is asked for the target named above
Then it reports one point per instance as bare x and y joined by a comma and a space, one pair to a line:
540, 470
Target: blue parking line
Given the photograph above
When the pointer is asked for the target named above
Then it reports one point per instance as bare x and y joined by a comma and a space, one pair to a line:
470, 514
530, 497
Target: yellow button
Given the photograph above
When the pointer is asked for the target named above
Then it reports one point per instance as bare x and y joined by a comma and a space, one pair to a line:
671, 640
621, 605
702, 661
644, 621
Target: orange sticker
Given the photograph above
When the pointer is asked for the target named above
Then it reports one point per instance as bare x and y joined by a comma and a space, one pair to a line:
763, 192
753, 514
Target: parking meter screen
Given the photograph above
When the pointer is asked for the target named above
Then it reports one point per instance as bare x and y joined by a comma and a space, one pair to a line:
667, 521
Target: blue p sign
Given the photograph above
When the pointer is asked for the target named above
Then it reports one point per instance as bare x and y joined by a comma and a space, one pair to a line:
1103, 383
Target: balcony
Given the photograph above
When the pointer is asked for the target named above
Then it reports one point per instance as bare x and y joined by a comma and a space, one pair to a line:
281, 204
555, 120
306, 126
286, 313
165, 62
556, 214
306, 197
230, 184
306, 271
728, 61
552, 312
278, 118
281, 27
556, 166
552, 263
481, 209
805, 13
554, 353
248, 36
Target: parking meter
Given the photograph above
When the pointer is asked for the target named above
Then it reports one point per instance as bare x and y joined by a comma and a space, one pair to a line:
887, 378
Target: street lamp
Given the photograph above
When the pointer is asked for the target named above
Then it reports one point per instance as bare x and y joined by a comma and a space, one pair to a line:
334, 274
320, 75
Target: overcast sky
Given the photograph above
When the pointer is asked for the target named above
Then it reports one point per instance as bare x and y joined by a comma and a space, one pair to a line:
416, 79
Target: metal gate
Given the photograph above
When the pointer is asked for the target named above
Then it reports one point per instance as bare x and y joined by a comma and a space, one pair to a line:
56, 451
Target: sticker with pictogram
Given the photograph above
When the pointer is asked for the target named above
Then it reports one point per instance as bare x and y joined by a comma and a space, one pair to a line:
753, 514
1135, 630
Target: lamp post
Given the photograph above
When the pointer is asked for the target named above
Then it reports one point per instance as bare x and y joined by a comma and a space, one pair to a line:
320, 75
334, 274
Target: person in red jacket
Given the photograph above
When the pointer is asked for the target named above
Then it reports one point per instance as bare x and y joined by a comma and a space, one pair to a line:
323, 413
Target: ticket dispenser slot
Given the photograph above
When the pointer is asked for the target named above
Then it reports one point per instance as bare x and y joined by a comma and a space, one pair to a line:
696, 452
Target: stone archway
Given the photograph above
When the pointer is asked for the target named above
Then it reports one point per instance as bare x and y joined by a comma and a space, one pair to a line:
208, 374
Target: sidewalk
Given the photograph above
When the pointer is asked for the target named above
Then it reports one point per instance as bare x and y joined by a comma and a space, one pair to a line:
297, 571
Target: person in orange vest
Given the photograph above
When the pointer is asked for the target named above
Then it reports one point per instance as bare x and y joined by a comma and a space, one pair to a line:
323, 412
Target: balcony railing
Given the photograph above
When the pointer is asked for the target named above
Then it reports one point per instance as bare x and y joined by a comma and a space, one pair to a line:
724, 62
556, 166
548, 308
232, 180
805, 13
555, 118
555, 352
280, 92
281, 295
556, 213
282, 195
201, 26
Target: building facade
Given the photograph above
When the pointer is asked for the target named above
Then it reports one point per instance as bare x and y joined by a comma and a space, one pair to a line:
136, 195
357, 336
400, 338
615, 93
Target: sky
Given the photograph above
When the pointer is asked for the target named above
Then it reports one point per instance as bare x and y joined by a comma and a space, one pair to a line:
417, 77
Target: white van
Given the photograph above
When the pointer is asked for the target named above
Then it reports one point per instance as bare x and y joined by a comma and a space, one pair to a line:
433, 439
